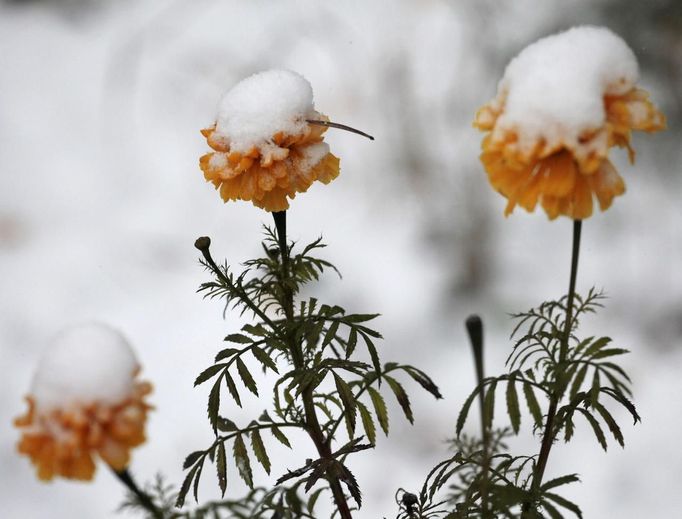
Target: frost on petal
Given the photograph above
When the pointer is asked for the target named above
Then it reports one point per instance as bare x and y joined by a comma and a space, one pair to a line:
563, 102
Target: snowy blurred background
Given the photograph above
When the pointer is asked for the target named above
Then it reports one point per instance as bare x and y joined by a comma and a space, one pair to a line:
101, 199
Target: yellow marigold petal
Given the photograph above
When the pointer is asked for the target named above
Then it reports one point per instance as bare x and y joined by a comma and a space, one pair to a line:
63, 442
607, 184
268, 176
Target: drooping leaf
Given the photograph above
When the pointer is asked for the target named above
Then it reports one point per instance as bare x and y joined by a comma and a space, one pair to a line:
596, 428
246, 377
379, 408
349, 404
513, 409
611, 424
565, 503
259, 450
277, 433
232, 388
264, 358
186, 484
214, 405
241, 458
401, 397
533, 406
221, 468
331, 334
367, 422
489, 404
464, 411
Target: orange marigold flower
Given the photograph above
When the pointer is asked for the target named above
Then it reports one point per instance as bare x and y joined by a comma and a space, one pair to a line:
265, 148
84, 401
563, 102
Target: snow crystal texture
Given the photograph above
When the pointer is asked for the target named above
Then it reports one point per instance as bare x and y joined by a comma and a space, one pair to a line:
84, 364
263, 104
556, 86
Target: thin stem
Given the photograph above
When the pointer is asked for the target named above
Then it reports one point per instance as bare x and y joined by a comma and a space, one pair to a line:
127, 479
313, 425
549, 433
204, 244
339, 126
474, 327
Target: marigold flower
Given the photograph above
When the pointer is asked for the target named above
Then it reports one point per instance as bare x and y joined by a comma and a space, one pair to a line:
84, 401
265, 148
563, 102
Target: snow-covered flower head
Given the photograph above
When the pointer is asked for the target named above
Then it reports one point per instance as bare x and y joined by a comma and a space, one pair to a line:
266, 150
84, 400
562, 103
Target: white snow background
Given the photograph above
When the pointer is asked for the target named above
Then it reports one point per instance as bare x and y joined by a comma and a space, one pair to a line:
101, 199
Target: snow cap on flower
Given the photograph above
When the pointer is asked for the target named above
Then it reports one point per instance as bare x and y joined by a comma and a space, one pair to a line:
562, 103
265, 148
84, 400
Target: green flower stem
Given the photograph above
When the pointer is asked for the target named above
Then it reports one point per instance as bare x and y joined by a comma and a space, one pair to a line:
127, 479
474, 327
549, 432
313, 425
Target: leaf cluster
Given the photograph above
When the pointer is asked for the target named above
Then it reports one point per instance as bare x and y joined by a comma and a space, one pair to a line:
327, 368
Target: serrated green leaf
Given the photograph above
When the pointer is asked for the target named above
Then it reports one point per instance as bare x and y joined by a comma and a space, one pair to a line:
221, 468
360, 318
208, 373
594, 390
226, 425
241, 458
379, 408
232, 388
246, 377
596, 346
225, 353
257, 330
372, 350
277, 433
596, 428
367, 422
186, 484
513, 409
238, 338
214, 405
565, 503
557, 482
609, 352
551, 510
532, 403
349, 404
464, 412
423, 380
331, 334
578, 381
192, 458
352, 342
489, 405
259, 450
264, 358
401, 397
611, 424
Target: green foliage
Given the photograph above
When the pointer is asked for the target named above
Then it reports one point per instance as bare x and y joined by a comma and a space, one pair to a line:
327, 370
575, 377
